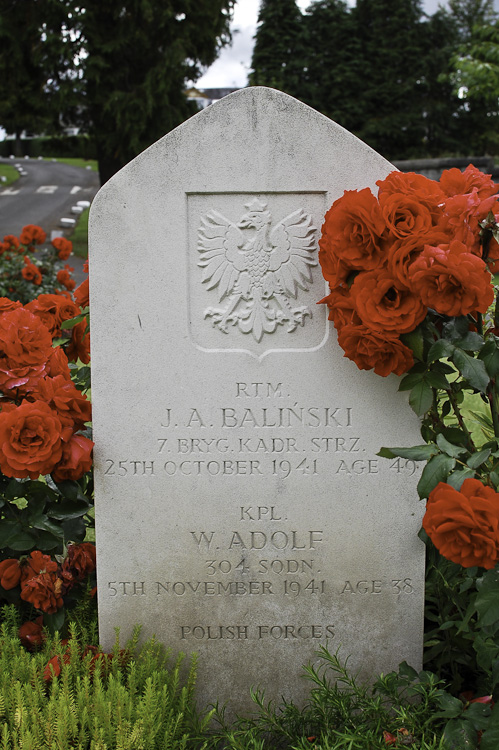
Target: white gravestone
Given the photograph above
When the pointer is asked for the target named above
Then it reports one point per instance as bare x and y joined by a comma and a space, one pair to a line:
241, 510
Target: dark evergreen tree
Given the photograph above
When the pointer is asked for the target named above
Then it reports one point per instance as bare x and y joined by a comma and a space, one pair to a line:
140, 55
442, 108
391, 93
125, 62
35, 59
334, 63
278, 55
467, 14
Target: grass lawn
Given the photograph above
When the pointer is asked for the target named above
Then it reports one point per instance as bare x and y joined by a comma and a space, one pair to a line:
8, 171
77, 162
79, 238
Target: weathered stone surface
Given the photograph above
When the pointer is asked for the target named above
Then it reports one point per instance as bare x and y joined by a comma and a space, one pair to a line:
241, 509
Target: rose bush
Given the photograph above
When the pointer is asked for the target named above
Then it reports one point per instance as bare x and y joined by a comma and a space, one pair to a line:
46, 488
412, 293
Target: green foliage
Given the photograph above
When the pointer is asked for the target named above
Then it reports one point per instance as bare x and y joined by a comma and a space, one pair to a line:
135, 698
343, 714
278, 54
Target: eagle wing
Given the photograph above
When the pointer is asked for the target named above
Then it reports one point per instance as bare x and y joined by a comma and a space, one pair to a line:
292, 258
220, 242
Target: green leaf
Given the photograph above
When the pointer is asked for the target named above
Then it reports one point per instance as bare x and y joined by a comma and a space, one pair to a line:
449, 706
437, 380
416, 452
54, 622
449, 448
460, 734
421, 398
455, 328
410, 380
67, 509
490, 739
472, 342
477, 459
490, 356
414, 340
7, 532
487, 602
436, 470
456, 478
472, 369
66, 324
22, 541
441, 348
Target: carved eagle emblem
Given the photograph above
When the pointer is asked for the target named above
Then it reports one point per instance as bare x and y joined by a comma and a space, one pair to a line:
256, 268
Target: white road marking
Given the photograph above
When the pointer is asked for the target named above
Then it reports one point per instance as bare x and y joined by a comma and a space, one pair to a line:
9, 191
75, 189
47, 189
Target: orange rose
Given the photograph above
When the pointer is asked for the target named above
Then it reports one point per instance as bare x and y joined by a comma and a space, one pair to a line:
43, 592
7, 304
81, 294
427, 192
63, 246
79, 346
31, 272
64, 277
341, 307
10, 243
32, 235
451, 280
404, 215
455, 182
383, 306
61, 394
25, 347
464, 525
76, 459
10, 574
30, 440
372, 351
352, 232
462, 217
52, 310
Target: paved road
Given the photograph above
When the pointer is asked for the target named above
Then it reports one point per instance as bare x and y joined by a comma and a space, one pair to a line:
44, 195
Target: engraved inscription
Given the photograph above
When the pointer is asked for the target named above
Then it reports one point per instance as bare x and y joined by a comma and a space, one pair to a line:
257, 268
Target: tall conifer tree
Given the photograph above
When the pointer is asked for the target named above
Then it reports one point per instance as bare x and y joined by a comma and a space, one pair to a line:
278, 55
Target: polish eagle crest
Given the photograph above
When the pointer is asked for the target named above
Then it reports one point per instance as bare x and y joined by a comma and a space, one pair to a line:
257, 269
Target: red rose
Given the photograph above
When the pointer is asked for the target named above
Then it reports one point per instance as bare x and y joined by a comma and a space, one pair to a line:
464, 525
79, 346
341, 307
52, 310
35, 564
383, 306
451, 280
6, 305
404, 215
81, 294
402, 252
372, 351
80, 561
63, 246
76, 459
43, 592
10, 243
10, 574
61, 394
31, 272
31, 634
30, 440
58, 364
32, 235
64, 277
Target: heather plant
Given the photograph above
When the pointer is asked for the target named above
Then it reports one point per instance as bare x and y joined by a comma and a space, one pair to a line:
67, 693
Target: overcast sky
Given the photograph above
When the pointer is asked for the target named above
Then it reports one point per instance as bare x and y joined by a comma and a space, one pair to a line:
231, 68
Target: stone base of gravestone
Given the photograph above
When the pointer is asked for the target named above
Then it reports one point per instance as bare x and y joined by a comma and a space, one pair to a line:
241, 510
